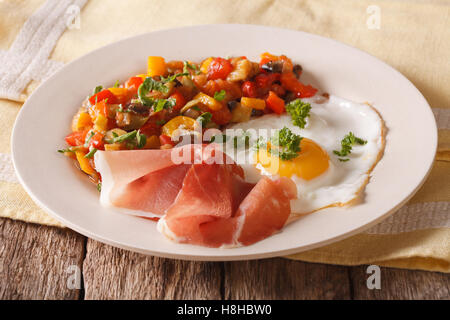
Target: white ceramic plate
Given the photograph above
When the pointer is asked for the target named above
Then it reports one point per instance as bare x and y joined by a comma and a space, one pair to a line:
55, 184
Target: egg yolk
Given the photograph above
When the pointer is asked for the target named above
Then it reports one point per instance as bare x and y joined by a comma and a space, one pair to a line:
311, 161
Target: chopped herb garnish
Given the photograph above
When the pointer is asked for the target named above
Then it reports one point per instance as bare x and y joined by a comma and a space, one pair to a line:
141, 140
97, 89
99, 187
91, 153
287, 144
127, 136
347, 144
161, 104
187, 66
133, 139
343, 159
86, 143
173, 77
204, 118
116, 84
70, 149
149, 85
220, 95
299, 111
196, 108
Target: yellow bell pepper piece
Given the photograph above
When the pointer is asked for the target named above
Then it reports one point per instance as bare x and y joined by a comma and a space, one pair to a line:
203, 100
113, 146
156, 66
84, 162
101, 123
82, 121
208, 101
152, 143
241, 113
253, 103
205, 65
179, 122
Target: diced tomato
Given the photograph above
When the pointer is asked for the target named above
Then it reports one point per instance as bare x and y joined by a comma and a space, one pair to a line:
180, 100
275, 103
97, 141
102, 95
166, 140
76, 138
279, 90
221, 116
290, 82
219, 68
249, 89
265, 81
153, 125
133, 84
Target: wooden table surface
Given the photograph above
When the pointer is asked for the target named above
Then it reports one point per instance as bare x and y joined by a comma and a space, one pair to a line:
39, 262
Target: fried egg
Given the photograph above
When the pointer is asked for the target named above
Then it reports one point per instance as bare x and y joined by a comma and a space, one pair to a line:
322, 179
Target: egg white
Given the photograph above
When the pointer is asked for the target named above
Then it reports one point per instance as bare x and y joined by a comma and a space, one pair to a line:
327, 125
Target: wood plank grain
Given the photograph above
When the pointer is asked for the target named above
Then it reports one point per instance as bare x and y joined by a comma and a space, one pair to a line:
35, 261
401, 284
112, 273
281, 278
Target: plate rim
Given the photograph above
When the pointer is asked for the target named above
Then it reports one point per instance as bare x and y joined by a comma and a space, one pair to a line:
208, 257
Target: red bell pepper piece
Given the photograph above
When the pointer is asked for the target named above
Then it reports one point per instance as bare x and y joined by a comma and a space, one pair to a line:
163, 139
290, 82
133, 84
275, 103
76, 138
102, 95
97, 141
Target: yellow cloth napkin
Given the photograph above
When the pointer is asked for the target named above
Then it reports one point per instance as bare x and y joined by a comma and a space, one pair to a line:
412, 37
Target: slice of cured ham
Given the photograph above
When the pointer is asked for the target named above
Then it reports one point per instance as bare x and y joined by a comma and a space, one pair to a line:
209, 212
198, 192
143, 182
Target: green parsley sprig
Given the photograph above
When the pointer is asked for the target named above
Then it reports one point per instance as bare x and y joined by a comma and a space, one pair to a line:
299, 111
287, 143
284, 144
347, 144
